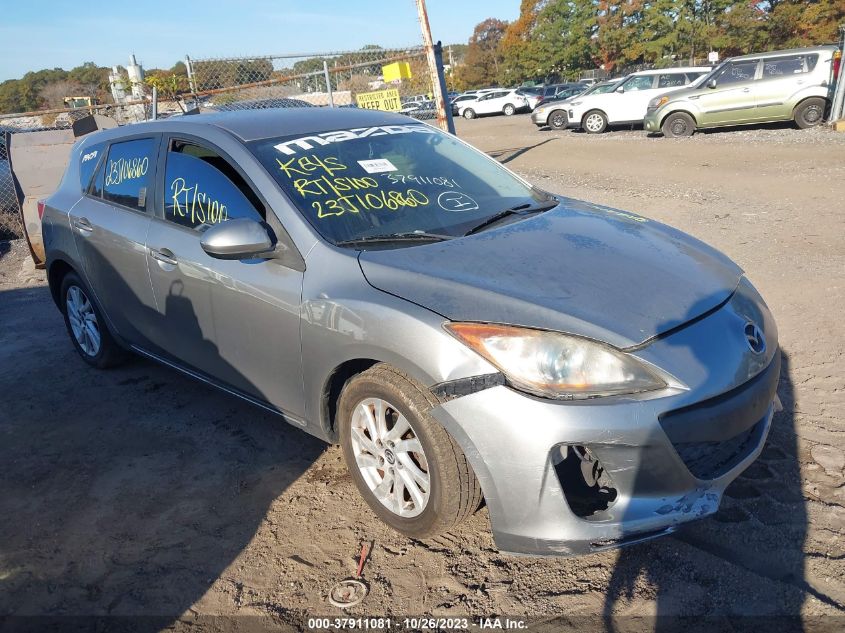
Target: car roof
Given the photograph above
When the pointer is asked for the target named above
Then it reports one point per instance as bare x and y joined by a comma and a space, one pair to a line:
789, 51
683, 69
253, 125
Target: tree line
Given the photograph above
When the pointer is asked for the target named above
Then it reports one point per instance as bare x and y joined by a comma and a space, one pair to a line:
556, 39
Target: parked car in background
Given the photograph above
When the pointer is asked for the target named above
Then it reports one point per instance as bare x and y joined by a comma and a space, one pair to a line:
462, 99
554, 112
541, 94
374, 282
505, 102
784, 85
627, 103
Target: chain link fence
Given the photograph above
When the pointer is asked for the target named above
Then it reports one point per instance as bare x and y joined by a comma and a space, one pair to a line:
39, 121
399, 77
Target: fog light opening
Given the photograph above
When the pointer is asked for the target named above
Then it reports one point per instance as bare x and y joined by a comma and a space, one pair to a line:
586, 485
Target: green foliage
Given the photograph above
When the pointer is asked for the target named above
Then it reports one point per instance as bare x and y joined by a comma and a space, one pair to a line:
553, 39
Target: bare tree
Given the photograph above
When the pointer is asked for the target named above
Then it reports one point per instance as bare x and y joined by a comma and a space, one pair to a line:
53, 94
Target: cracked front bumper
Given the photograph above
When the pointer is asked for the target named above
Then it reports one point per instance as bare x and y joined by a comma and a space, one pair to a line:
670, 455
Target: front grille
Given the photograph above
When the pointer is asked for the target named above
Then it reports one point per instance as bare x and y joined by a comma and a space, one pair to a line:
709, 460
714, 435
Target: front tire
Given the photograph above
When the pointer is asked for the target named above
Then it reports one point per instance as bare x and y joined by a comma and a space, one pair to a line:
86, 326
557, 120
509, 109
469, 113
810, 112
410, 472
594, 122
677, 125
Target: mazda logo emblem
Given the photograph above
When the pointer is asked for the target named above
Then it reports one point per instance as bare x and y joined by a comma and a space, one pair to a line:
755, 339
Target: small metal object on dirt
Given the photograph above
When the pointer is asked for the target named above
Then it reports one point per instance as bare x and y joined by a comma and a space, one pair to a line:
347, 593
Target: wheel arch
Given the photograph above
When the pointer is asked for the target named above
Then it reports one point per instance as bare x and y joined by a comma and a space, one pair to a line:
57, 270
679, 111
805, 98
333, 386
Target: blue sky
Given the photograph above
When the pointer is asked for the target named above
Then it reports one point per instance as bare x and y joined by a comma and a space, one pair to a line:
35, 34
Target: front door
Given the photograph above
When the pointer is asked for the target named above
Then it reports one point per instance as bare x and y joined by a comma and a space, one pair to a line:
733, 100
234, 321
110, 226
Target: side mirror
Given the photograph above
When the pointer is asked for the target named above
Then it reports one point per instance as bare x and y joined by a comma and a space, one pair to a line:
711, 84
240, 238
620, 89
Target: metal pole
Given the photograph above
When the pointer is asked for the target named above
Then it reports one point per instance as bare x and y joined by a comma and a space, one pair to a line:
328, 83
190, 69
438, 91
441, 80
837, 110
154, 109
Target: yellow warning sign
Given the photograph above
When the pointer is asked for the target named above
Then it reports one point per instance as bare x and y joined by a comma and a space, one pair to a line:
380, 100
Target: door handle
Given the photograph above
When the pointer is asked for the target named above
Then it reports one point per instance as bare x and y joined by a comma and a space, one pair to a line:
746, 89
165, 256
82, 225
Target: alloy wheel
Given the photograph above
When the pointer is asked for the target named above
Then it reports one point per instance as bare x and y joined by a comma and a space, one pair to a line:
390, 457
594, 122
83, 320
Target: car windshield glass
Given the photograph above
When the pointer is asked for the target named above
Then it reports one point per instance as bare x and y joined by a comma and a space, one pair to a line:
390, 180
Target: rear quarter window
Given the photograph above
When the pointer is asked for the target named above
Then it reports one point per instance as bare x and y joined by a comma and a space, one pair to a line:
88, 161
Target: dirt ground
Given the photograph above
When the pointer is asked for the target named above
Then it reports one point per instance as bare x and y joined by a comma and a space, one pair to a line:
139, 492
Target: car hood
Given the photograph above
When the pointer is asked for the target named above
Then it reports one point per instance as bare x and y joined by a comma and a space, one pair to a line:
579, 268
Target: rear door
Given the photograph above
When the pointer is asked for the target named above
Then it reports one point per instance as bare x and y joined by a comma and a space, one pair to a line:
234, 321
733, 100
780, 79
110, 226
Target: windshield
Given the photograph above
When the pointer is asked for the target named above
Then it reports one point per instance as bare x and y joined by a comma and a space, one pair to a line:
392, 179
599, 89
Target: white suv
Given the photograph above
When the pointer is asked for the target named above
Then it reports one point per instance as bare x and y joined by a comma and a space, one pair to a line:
627, 104
497, 102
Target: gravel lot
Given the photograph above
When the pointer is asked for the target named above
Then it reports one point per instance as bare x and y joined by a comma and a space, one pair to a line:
137, 491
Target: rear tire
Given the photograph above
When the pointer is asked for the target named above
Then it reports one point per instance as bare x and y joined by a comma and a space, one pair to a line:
86, 326
509, 109
677, 125
469, 113
557, 120
382, 400
594, 122
810, 112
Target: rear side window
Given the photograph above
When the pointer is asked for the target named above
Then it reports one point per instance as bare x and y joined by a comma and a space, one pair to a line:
671, 80
202, 189
88, 162
128, 172
783, 67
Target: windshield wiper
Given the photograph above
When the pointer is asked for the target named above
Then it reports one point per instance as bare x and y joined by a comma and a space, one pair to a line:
520, 209
412, 236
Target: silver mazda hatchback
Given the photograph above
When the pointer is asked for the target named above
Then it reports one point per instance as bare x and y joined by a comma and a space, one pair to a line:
597, 378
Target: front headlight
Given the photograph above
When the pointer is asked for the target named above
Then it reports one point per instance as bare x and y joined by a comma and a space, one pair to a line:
555, 365
657, 102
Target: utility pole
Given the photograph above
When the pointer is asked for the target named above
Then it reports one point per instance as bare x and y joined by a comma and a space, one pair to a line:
435, 70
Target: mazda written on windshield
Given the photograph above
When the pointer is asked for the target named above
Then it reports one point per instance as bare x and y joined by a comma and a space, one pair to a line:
596, 378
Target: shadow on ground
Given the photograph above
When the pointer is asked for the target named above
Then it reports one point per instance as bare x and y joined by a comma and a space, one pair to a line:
132, 493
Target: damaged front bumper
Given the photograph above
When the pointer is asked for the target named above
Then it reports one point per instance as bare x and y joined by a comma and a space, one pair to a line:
571, 478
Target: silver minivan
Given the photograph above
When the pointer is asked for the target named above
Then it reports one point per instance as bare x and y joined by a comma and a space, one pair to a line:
596, 377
